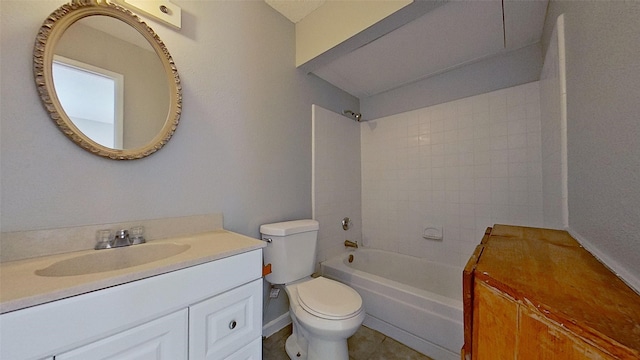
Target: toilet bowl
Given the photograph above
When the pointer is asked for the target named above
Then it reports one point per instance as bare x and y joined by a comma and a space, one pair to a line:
324, 312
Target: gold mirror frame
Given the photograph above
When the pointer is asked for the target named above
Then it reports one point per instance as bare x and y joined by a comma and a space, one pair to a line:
52, 30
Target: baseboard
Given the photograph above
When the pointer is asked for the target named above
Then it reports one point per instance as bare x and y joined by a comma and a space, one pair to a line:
276, 325
625, 275
432, 350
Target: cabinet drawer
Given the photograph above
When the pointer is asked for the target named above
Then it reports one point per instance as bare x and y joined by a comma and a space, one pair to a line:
222, 324
161, 339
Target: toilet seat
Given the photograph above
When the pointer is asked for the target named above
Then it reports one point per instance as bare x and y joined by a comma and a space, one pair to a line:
328, 299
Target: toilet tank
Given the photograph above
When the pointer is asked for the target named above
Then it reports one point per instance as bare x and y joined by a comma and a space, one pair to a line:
292, 250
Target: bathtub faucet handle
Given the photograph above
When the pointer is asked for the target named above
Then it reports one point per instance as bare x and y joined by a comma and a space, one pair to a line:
346, 223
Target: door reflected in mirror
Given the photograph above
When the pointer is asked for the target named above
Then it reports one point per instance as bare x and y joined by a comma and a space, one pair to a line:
93, 99
102, 42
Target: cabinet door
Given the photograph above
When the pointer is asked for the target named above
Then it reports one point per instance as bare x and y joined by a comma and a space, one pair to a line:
161, 339
540, 339
221, 325
495, 322
252, 351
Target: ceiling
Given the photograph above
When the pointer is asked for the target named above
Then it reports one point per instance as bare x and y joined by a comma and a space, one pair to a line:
447, 37
113, 27
295, 10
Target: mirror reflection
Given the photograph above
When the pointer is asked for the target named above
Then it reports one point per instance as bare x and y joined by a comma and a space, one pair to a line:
111, 83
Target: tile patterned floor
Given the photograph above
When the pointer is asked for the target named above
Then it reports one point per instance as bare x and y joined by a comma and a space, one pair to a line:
365, 344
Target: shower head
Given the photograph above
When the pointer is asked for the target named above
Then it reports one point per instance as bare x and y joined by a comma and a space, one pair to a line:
356, 116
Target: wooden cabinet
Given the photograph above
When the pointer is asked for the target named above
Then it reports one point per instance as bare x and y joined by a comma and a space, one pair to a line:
537, 294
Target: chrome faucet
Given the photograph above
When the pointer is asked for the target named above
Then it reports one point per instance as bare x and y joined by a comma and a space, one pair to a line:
349, 243
121, 239
106, 240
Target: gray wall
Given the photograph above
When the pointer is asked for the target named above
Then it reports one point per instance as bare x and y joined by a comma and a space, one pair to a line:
502, 71
243, 146
603, 124
553, 132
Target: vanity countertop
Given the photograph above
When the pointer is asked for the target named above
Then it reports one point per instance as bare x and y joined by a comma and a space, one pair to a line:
20, 287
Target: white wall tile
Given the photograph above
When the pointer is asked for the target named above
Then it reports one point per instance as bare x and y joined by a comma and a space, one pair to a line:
476, 163
337, 182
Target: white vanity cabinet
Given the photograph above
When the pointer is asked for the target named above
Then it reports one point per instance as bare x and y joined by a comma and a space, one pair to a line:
160, 339
253, 351
220, 326
207, 311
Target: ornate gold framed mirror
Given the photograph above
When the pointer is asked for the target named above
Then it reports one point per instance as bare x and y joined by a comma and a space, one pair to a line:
107, 80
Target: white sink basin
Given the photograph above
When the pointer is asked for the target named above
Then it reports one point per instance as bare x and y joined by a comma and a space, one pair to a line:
112, 259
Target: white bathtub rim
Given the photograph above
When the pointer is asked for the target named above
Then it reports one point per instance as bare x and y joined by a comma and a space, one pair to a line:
438, 314
345, 254
445, 307
338, 263
443, 331
442, 340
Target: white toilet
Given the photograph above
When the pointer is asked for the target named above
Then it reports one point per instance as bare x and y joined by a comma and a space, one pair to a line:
324, 312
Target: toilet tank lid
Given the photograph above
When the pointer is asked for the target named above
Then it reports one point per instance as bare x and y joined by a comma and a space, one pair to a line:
289, 227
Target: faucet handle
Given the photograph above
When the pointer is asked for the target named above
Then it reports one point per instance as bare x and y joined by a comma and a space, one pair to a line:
346, 223
137, 235
104, 239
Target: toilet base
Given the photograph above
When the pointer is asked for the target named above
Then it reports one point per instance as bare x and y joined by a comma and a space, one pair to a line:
293, 350
319, 349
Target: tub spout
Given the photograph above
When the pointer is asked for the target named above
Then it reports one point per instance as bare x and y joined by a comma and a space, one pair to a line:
349, 243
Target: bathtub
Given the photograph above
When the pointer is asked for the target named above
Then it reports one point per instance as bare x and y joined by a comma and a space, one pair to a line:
414, 301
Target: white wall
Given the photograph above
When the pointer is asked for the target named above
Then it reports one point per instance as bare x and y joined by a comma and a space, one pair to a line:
463, 165
243, 146
334, 22
603, 88
502, 71
336, 180
553, 102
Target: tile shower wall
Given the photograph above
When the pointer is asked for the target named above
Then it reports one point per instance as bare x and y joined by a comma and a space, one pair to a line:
462, 166
336, 180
